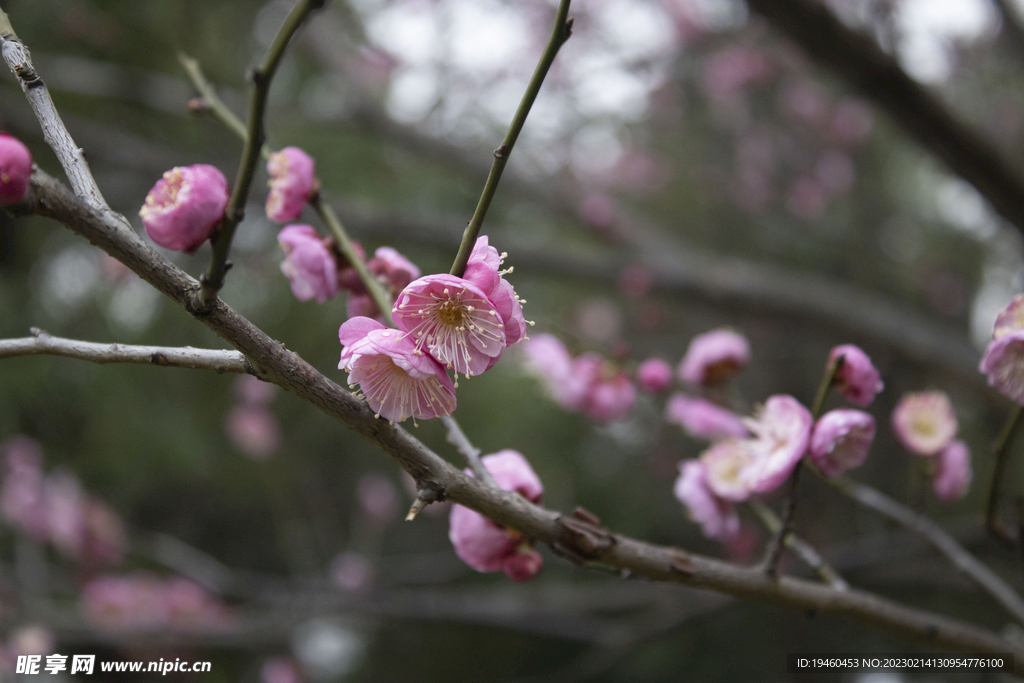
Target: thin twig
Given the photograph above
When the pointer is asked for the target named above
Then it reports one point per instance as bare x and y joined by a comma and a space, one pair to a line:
774, 551
471, 453
70, 155
213, 279
274, 363
804, 550
213, 102
173, 357
559, 34
963, 560
1001, 450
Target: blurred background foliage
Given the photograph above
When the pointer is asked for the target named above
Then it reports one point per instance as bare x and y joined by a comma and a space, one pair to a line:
679, 132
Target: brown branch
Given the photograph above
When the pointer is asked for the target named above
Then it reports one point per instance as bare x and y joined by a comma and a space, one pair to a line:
577, 538
176, 357
858, 59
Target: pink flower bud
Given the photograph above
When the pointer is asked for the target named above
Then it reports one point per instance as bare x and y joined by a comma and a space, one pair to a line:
953, 472
714, 357
654, 375
291, 183
856, 379
841, 440
924, 422
309, 265
703, 419
185, 207
397, 379
486, 546
717, 517
15, 169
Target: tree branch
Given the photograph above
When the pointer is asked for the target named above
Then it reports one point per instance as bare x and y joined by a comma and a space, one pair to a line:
859, 60
937, 537
272, 362
175, 357
471, 453
70, 155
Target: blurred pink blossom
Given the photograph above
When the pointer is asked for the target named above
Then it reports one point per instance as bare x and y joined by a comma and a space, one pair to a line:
249, 389
352, 572
953, 472
852, 121
22, 501
806, 199
253, 429
378, 499
598, 210
781, 428
486, 546
805, 101
1003, 362
280, 670
924, 422
841, 440
857, 379
654, 375
15, 169
147, 602
610, 397
292, 182
703, 419
727, 72
713, 357
727, 467
717, 517
635, 281
185, 207
1010, 319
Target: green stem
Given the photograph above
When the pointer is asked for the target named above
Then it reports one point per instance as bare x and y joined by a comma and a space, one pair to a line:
774, 551
212, 101
213, 279
1001, 449
802, 548
559, 34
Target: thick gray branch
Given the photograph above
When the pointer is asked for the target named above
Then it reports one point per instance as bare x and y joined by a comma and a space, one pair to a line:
580, 540
176, 357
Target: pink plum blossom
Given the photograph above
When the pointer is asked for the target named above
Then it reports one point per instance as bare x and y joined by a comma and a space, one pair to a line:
953, 473
291, 183
483, 271
486, 546
727, 468
309, 264
713, 357
856, 379
144, 601
717, 517
781, 428
703, 419
1003, 362
551, 361
397, 379
841, 440
924, 422
352, 571
15, 169
654, 375
610, 397
453, 320
254, 391
726, 73
389, 267
185, 207
378, 499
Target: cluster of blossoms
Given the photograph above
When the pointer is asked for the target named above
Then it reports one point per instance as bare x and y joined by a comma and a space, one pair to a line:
445, 323
487, 546
144, 601
15, 169
756, 455
589, 383
54, 509
926, 424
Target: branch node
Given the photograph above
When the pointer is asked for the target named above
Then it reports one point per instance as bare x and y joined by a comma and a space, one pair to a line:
424, 497
681, 563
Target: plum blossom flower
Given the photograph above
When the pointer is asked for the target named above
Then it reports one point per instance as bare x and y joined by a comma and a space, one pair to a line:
713, 357
841, 440
185, 206
654, 375
1010, 319
781, 428
716, 516
953, 473
482, 269
22, 502
291, 183
486, 546
1003, 361
389, 267
309, 264
15, 169
727, 467
856, 379
924, 422
549, 359
144, 601
703, 419
610, 397
452, 320
397, 379
253, 429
